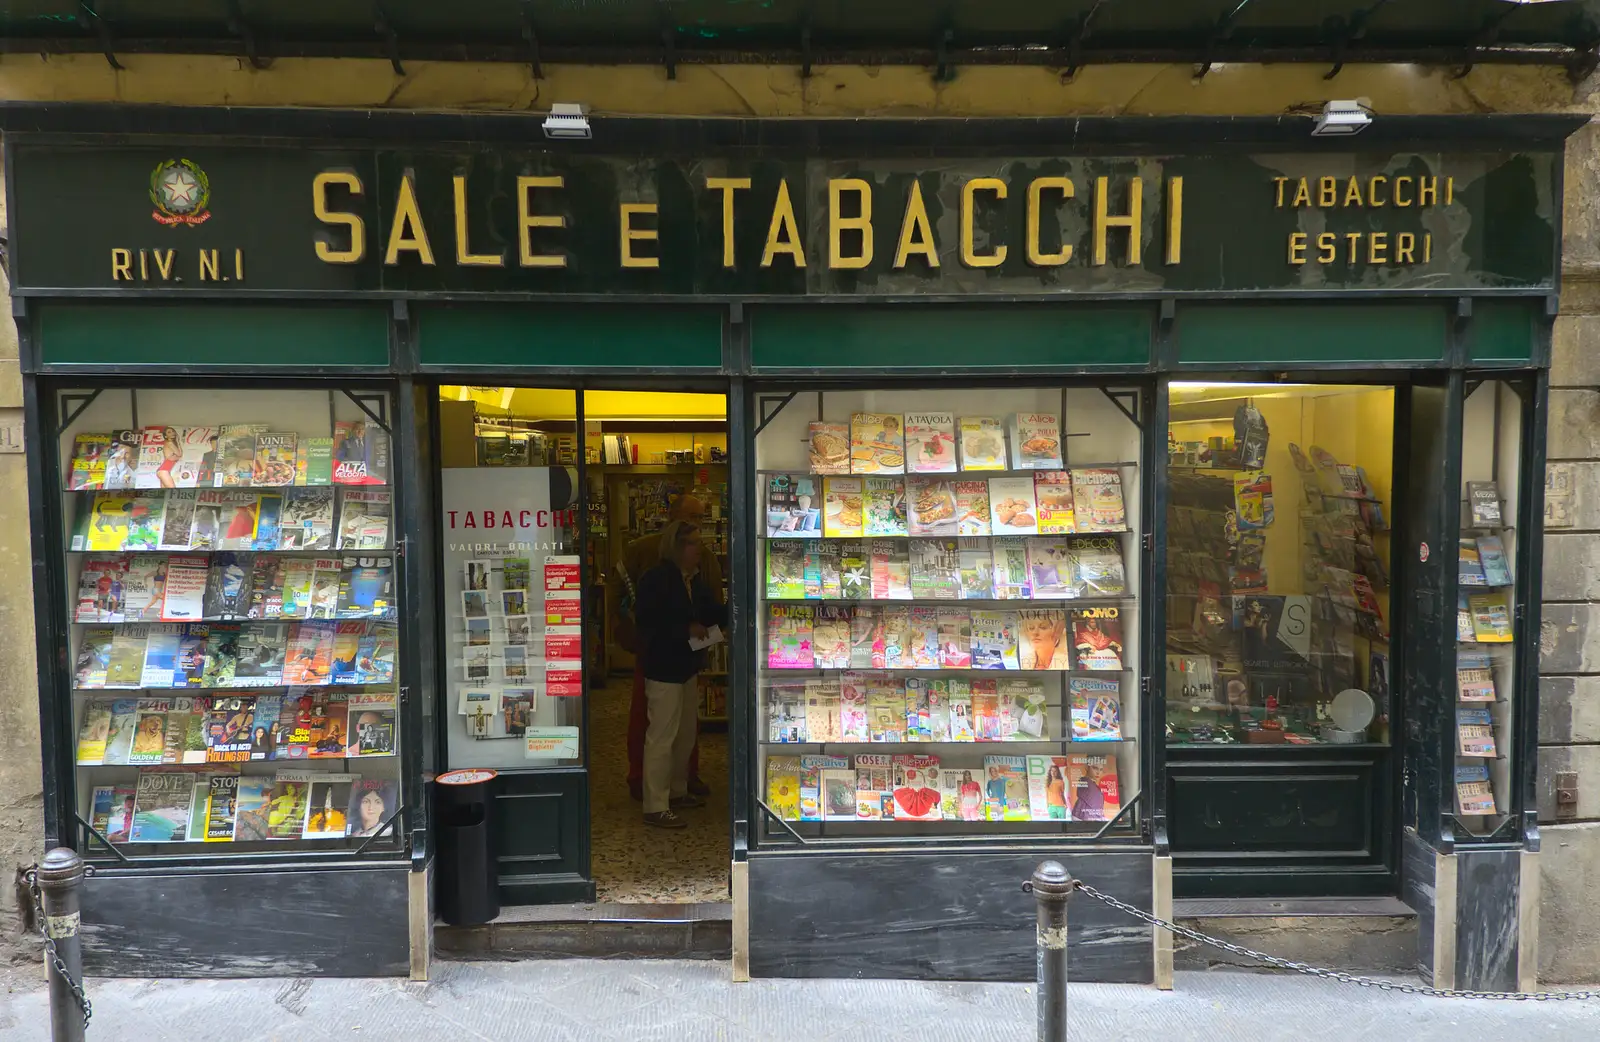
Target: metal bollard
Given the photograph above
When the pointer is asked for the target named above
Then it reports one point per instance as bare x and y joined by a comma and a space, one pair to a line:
58, 879
1051, 885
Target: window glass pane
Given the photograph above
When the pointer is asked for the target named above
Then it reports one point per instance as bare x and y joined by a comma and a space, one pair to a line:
232, 618
1278, 563
949, 621
513, 576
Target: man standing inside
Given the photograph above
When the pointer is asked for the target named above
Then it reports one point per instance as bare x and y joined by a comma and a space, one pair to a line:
622, 584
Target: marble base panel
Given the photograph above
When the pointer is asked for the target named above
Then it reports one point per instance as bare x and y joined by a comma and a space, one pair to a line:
333, 922
941, 915
1487, 883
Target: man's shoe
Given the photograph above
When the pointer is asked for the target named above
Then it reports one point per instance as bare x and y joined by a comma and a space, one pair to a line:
665, 820
698, 787
688, 802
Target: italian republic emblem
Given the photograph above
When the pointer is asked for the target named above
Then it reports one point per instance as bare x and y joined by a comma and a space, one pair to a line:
180, 191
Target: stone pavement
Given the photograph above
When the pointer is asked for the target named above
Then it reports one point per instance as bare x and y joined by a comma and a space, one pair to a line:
636, 1001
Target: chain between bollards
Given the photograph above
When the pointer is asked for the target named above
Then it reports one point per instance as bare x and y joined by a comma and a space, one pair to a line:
1051, 885
55, 884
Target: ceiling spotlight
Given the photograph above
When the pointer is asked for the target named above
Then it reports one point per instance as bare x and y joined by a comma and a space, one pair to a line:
567, 121
1342, 118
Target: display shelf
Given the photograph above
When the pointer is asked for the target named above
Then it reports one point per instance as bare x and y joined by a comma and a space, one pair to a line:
980, 603
226, 769
988, 746
878, 538
958, 475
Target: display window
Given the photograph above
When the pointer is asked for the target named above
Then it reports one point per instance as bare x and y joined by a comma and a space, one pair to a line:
231, 604
1487, 666
948, 618
1278, 564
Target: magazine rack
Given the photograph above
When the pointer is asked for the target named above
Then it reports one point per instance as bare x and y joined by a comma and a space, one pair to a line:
232, 606
948, 614
1489, 654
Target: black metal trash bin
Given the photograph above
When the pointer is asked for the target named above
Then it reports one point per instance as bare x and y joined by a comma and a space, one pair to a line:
466, 885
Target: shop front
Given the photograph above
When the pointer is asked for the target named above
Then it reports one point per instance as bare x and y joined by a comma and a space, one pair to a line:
1159, 497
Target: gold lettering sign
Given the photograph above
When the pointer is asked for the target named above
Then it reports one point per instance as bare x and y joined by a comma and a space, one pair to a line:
1369, 247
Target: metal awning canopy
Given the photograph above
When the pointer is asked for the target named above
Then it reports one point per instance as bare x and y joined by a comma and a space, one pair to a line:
940, 33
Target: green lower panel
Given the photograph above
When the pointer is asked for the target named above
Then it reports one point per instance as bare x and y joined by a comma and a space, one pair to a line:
585, 336
213, 334
940, 337
1291, 334
1502, 331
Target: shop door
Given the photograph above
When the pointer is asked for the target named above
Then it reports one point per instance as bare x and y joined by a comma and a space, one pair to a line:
1282, 636
513, 627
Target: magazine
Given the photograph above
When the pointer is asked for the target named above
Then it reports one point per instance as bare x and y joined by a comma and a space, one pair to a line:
1474, 733
1053, 496
306, 521
101, 590
1491, 617
366, 588
789, 636
1474, 795
364, 519
783, 786
126, 667
1025, 714
1035, 441
372, 724
822, 709
360, 453
919, 711
313, 462
146, 513
875, 787
891, 648
877, 444
252, 801
88, 467
886, 708
1097, 638
935, 569
1469, 569
162, 800
236, 455
855, 570
891, 570
930, 443
93, 660
1092, 786
239, 514
955, 640
221, 807
1006, 788
920, 649
330, 724
820, 570
161, 655
960, 696
786, 566
794, 509
813, 805
108, 520
1053, 568
983, 444
843, 508
916, 787
1483, 501
886, 507
986, 711
327, 804
830, 643
177, 525
930, 506
866, 638
1098, 569
1097, 500
309, 659
93, 732
938, 697
1047, 788
286, 811
1096, 708
994, 640
838, 790
976, 569
1011, 577
1492, 556
275, 459
961, 793
1042, 639
786, 711
205, 532
1474, 676
227, 728
196, 465
853, 707
373, 802
184, 591
1012, 508
829, 445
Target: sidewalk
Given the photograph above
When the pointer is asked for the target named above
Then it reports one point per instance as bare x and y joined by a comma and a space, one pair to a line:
636, 1001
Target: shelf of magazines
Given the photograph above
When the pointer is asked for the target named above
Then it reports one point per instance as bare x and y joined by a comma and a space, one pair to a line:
1485, 660
233, 623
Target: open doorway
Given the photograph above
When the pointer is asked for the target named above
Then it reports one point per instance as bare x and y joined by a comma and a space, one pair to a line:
625, 463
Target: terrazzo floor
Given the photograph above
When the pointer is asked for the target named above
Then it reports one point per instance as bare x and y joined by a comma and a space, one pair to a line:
632, 862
